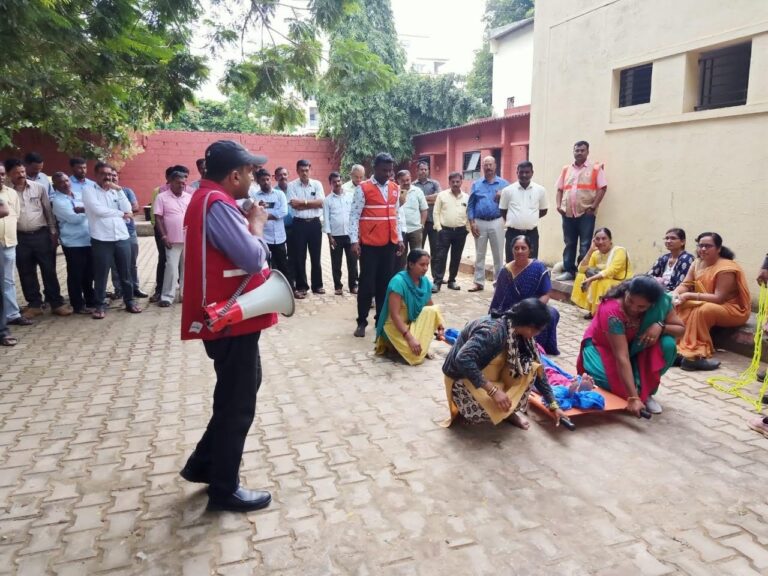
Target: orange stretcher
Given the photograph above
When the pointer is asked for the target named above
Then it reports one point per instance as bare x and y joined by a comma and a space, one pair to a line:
613, 403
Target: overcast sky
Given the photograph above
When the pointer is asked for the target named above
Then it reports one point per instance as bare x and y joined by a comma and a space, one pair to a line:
432, 28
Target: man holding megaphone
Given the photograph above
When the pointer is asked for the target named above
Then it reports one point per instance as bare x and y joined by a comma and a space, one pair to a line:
225, 256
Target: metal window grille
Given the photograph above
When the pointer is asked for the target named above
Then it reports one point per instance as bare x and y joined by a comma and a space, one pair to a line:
471, 165
635, 85
724, 77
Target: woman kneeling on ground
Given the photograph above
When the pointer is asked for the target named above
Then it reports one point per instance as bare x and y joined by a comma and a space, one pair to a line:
714, 293
525, 277
603, 267
494, 363
630, 342
408, 320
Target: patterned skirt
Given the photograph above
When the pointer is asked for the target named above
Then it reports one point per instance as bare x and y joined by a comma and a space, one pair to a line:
471, 410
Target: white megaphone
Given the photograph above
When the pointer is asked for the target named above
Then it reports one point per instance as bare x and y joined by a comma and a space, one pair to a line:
275, 295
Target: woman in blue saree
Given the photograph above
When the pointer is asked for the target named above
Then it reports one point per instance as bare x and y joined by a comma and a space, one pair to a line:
523, 278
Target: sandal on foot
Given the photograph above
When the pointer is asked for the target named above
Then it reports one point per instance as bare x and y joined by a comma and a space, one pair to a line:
759, 425
98, 314
133, 309
8, 341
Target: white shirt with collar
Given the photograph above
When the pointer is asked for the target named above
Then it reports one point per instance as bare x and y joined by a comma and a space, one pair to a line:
523, 205
106, 210
311, 192
336, 211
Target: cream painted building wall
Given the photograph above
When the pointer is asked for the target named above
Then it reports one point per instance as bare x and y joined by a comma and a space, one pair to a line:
666, 164
512, 68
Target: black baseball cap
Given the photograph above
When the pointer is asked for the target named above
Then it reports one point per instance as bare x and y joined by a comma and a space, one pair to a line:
225, 155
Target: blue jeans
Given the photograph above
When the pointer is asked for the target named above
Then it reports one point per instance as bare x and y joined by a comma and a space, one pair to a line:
10, 305
576, 231
104, 253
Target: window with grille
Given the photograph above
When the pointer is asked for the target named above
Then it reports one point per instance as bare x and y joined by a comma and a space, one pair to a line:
724, 77
635, 85
471, 165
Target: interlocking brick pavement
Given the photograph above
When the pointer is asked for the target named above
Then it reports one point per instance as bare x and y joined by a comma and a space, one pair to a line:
97, 417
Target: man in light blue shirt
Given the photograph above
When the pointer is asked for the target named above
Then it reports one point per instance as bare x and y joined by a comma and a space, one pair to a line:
486, 222
274, 201
75, 240
336, 210
414, 210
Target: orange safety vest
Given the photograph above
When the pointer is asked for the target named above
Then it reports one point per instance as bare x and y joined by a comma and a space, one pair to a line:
378, 220
586, 188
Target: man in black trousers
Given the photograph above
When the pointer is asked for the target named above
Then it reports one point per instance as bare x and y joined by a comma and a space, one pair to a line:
376, 233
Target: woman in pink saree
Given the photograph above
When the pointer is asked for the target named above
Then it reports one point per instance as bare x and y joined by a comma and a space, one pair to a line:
631, 342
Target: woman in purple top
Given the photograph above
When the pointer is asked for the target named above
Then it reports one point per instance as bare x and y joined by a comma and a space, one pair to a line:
525, 277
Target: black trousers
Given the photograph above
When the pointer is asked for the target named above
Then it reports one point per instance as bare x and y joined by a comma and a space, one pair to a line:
80, 277
577, 233
238, 377
290, 249
431, 233
160, 270
343, 248
115, 273
377, 266
307, 235
453, 240
104, 253
512, 233
36, 249
279, 260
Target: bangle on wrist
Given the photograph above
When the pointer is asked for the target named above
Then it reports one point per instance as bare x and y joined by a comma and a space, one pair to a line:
633, 398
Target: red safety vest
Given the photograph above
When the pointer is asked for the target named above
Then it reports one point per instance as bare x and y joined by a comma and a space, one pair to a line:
223, 276
378, 220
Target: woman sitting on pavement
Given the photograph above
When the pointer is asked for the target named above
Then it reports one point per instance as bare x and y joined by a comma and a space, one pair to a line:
603, 267
494, 363
408, 320
525, 277
671, 268
630, 342
714, 293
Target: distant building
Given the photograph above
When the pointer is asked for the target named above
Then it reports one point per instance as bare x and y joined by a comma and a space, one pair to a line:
512, 49
673, 98
462, 148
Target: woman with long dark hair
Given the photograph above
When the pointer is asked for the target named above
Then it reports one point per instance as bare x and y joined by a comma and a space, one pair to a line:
630, 342
714, 293
493, 365
408, 320
525, 277
671, 268
604, 266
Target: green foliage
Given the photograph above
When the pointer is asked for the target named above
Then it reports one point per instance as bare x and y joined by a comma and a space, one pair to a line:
387, 120
82, 68
289, 66
376, 110
497, 13
235, 114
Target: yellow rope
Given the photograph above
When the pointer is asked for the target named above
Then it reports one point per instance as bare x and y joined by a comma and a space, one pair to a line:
749, 375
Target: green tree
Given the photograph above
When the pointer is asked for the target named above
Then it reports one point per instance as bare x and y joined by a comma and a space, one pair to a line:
76, 69
497, 13
387, 119
236, 114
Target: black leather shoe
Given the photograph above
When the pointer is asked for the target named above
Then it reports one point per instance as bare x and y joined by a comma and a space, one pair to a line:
140, 294
453, 286
360, 331
241, 500
699, 364
197, 474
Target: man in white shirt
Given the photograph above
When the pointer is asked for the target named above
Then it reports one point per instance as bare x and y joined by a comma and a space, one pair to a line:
336, 210
107, 211
413, 212
356, 175
522, 204
305, 197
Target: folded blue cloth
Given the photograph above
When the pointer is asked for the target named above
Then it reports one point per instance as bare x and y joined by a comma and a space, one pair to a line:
586, 400
450, 335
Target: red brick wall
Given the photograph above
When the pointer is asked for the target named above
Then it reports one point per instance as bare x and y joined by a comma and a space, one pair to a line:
164, 148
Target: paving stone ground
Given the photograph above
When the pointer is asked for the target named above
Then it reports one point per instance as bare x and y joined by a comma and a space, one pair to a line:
96, 419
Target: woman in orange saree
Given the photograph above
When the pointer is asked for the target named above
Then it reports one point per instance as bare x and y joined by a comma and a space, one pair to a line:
714, 293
